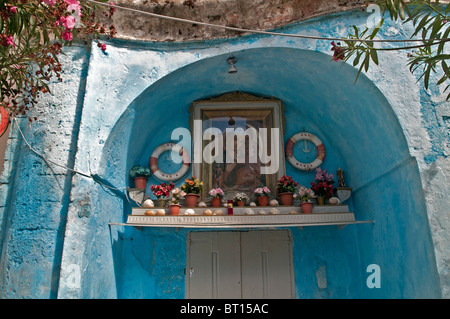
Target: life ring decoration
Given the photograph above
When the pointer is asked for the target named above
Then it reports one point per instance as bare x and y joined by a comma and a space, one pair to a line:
310, 137
4, 120
169, 147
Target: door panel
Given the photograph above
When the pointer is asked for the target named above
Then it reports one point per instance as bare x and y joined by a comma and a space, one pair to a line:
212, 263
266, 265
255, 264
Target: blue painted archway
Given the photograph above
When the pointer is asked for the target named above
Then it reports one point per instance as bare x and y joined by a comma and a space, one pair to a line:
363, 137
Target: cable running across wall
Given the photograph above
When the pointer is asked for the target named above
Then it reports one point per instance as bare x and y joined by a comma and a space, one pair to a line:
94, 177
161, 16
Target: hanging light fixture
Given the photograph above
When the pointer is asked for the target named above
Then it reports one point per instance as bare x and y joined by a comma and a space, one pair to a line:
231, 61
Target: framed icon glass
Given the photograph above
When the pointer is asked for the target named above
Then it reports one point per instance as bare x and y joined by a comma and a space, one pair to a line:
238, 143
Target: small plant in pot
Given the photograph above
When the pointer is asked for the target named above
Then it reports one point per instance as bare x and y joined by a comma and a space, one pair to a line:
262, 194
162, 192
322, 185
217, 195
286, 188
174, 204
192, 187
140, 174
240, 199
305, 199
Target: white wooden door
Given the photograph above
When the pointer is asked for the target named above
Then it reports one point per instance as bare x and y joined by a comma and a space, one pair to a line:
254, 264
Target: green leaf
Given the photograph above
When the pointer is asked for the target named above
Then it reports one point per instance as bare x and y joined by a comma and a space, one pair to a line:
422, 24
374, 56
444, 36
356, 60
367, 61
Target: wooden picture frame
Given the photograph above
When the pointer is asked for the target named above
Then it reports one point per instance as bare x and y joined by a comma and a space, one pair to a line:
242, 171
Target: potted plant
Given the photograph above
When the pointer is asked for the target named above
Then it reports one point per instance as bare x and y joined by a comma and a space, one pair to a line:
305, 199
192, 187
162, 192
174, 204
322, 185
240, 198
286, 189
140, 175
217, 195
262, 194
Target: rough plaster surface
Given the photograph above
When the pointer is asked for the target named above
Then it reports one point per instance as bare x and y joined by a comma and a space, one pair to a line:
34, 196
86, 258
255, 14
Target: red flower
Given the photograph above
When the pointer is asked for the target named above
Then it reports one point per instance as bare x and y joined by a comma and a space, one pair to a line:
67, 35
338, 53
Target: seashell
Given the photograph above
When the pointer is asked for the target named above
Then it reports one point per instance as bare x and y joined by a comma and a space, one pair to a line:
252, 204
333, 201
202, 204
189, 211
274, 211
150, 212
207, 212
218, 212
148, 203
249, 211
262, 212
160, 212
293, 212
274, 202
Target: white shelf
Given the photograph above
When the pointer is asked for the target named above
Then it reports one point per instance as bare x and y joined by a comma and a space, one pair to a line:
321, 216
240, 210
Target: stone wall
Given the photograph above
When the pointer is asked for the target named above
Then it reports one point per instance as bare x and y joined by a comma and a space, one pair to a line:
35, 194
255, 14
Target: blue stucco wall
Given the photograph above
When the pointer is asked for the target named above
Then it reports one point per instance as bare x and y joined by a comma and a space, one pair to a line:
63, 247
34, 198
360, 134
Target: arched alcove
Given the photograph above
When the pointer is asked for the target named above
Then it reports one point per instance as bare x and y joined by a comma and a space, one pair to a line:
362, 135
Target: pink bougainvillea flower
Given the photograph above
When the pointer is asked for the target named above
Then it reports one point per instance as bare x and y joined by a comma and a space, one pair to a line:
74, 2
67, 35
337, 51
68, 22
112, 9
50, 2
74, 6
102, 46
10, 40
13, 9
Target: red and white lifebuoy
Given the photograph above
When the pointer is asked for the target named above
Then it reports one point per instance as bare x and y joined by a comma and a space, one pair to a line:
310, 137
4, 121
169, 147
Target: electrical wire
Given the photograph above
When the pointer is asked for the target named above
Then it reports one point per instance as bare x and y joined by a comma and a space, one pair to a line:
165, 17
48, 162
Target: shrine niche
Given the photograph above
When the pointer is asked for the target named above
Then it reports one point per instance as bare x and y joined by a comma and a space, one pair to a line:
238, 142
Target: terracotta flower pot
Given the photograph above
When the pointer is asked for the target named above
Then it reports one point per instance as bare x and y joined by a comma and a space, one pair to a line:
263, 200
241, 203
140, 182
286, 198
215, 202
307, 207
191, 200
174, 209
